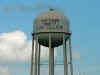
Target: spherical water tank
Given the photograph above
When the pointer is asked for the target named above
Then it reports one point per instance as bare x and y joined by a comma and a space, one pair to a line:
52, 22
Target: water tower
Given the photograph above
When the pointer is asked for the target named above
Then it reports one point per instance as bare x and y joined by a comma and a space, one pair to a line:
51, 29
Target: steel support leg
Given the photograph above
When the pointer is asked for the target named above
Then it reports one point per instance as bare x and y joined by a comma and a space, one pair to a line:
36, 57
65, 56
32, 56
39, 51
70, 49
51, 58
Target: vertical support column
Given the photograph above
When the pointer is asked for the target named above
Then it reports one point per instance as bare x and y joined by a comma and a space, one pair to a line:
36, 57
39, 51
51, 57
65, 56
32, 56
70, 49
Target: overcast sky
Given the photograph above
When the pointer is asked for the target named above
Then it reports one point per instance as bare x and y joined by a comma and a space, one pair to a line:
16, 22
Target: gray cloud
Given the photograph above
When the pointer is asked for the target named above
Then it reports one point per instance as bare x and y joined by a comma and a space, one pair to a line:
4, 71
25, 8
30, 9
15, 46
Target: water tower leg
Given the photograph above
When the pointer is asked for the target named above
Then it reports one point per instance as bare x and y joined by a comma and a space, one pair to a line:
51, 58
70, 49
32, 56
36, 57
51, 61
39, 51
65, 56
